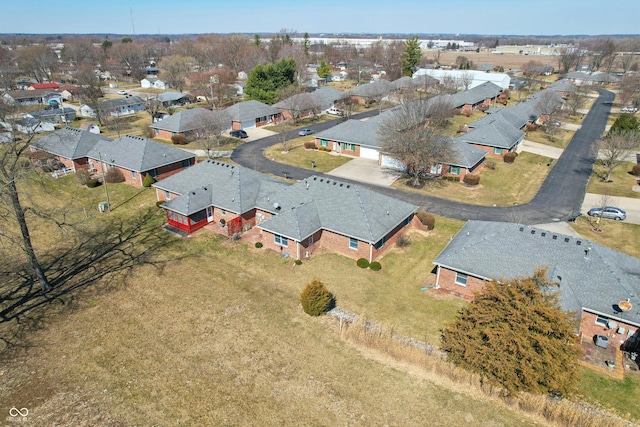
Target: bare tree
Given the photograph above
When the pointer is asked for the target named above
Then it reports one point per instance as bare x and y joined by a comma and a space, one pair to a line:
90, 89
448, 84
628, 88
548, 106
212, 125
407, 137
175, 69
283, 137
568, 58
614, 149
12, 171
39, 61
79, 50
296, 101
576, 100
465, 80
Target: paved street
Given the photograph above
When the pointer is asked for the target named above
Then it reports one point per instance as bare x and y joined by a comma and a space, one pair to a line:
559, 198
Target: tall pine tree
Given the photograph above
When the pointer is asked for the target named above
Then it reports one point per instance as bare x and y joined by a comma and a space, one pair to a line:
411, 55
515, 334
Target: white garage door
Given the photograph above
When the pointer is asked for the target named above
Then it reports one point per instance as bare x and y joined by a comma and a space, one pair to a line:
390, 162
369, 153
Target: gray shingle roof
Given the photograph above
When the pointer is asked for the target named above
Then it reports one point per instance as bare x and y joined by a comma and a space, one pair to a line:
591, 276
465, 155
172, 96
476, 95
406, 82
563, 85
69, 143
187, 120
230, 187
377, 88
112, 104
362, 132
248, 110
137, 154
495, 132
343, 208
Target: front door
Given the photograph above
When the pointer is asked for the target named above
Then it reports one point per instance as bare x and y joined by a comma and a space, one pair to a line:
210, 214
336, 147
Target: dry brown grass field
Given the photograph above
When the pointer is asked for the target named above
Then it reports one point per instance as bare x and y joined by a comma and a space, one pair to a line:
209, 332
507, 61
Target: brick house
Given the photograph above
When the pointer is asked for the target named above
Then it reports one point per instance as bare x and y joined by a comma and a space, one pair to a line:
371, 92
191, 123
115, 107
292, 219
484, 95
497, 136
594, 281
309, 103
133, 156
249, 114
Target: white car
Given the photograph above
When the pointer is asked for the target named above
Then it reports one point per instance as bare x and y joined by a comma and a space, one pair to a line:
334, 111
629, 109
122, 92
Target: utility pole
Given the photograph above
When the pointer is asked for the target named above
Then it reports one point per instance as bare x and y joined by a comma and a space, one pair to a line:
104, 181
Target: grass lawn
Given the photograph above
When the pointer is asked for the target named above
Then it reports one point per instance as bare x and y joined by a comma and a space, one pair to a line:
620, 184
507, 185
560, 139
298, 156
212, 330
616, 235
459, 120
619, 396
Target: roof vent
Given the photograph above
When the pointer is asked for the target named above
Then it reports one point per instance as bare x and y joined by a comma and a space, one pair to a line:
521, 228
348, 186
276, 206
334, 183
543, 234
341, 184
578, 242
533, 231
388, 212
204, 188
315, 178
566, 240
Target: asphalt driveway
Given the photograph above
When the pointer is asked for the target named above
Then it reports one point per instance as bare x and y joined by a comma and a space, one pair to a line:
559, 198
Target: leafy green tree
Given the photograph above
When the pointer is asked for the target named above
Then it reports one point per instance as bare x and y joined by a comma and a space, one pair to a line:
265, 80
324, 70
625, 122
127, 40
515, 334
256, 41
306, 42
316, 299
411, 55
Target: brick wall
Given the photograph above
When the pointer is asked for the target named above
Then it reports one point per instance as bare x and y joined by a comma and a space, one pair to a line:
589, 328
446, 281
165, 135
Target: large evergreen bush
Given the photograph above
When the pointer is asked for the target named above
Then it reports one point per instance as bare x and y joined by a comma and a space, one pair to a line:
316, 298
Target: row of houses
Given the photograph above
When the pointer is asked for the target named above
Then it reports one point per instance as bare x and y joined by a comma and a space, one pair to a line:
499, 132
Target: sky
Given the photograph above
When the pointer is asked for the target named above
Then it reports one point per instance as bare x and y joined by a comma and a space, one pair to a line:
489, 17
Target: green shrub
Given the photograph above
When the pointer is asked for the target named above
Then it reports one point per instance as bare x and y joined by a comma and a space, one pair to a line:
258, 245
298, 262
635, 170
510, 157
91, 183
113, 176
309, 145
472, 179
427, 219
362, 263
82, 176
375, 266
178, 139
316, 298
148, 180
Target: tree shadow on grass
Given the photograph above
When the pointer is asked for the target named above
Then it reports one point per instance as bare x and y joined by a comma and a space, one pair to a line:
100, 256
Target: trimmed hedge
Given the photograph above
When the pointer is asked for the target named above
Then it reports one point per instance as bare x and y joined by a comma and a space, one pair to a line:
362, 263
178, 139
316, 298
309, 145
258, 245
113, 176
427, 219
148, 180
298, 262
91, 183
83, 175
510, 157
375, 266
472, 179
635, 170
159, 202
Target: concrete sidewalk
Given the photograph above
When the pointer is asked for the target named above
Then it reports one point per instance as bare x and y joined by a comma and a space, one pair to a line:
540, 149
631, 205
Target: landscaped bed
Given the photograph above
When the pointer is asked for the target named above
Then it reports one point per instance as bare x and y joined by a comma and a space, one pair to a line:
298, 156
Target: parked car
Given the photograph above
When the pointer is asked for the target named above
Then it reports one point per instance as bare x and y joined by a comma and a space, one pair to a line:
629, 109
239, 134
609, 212
334, 112
122, 92
305, 132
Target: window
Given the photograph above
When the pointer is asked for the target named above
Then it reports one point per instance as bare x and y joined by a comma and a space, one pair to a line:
280, 240
324, 143
602, 321
167, 195
133, 175
455, 170
156, 131
198, 217
153, 172
461, 279
223, 212
186, 163
348, 147
497, 150
353, 243
381, 243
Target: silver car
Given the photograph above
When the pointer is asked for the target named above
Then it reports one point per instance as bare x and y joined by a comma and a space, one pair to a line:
609, 212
